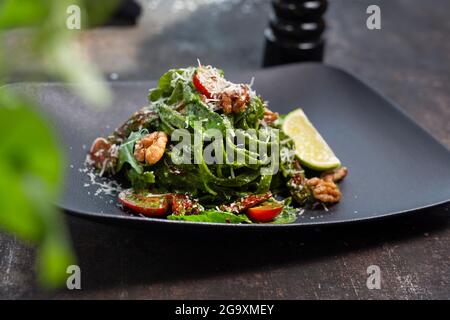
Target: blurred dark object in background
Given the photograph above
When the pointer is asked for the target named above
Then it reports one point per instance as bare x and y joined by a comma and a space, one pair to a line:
295, 32
126, 14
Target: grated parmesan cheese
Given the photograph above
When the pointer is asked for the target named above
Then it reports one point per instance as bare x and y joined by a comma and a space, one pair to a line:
104, 185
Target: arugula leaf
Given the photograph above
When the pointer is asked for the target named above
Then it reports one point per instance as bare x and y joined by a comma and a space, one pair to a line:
164, 83
252, 114
172, 117
174, 85
177, 94
155, 94
264, 184
126, 153
288, 215
209, 119
164, 87
213, 216
140, 181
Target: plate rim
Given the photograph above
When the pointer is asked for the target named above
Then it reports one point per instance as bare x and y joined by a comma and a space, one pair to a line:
158, 221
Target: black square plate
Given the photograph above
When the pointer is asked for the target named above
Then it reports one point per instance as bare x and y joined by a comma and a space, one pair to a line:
394, 165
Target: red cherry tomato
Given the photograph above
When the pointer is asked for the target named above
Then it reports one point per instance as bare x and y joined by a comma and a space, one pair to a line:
199, 85
145, 203
265, 212
248, 201
183, 204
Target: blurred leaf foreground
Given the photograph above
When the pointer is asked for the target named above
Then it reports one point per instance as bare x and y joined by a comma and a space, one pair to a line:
31, 161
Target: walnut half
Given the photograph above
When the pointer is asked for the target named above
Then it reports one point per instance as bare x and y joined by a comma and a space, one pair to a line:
325, 191
325, 188
150, 149
270, 116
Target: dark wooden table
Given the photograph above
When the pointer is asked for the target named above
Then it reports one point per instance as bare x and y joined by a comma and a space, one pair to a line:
408, 60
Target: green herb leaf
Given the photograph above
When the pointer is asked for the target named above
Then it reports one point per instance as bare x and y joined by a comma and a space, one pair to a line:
140, 181
31, 166
126, 153
213, 216
288, 215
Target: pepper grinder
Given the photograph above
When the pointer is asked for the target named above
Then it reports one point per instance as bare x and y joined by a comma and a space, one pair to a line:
295, 32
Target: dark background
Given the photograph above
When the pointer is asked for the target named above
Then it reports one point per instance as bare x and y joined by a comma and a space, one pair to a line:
408, 60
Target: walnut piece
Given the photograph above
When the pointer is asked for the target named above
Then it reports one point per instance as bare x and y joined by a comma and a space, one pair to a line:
234, 98
151, 147
270, 116
325, 191
335, 175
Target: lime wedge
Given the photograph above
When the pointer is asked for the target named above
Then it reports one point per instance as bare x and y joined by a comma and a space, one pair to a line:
310, 147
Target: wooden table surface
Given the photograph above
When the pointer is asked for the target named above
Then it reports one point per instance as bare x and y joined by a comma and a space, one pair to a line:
408, 60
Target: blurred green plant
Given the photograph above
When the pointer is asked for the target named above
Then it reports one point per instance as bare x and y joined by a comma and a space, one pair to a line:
31, 162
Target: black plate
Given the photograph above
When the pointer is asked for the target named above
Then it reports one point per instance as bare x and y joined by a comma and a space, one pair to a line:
395, 166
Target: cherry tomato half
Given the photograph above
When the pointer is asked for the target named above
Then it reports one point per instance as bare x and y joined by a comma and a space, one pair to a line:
145, 203
183, 204
248, 201
265, 212
199, 85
